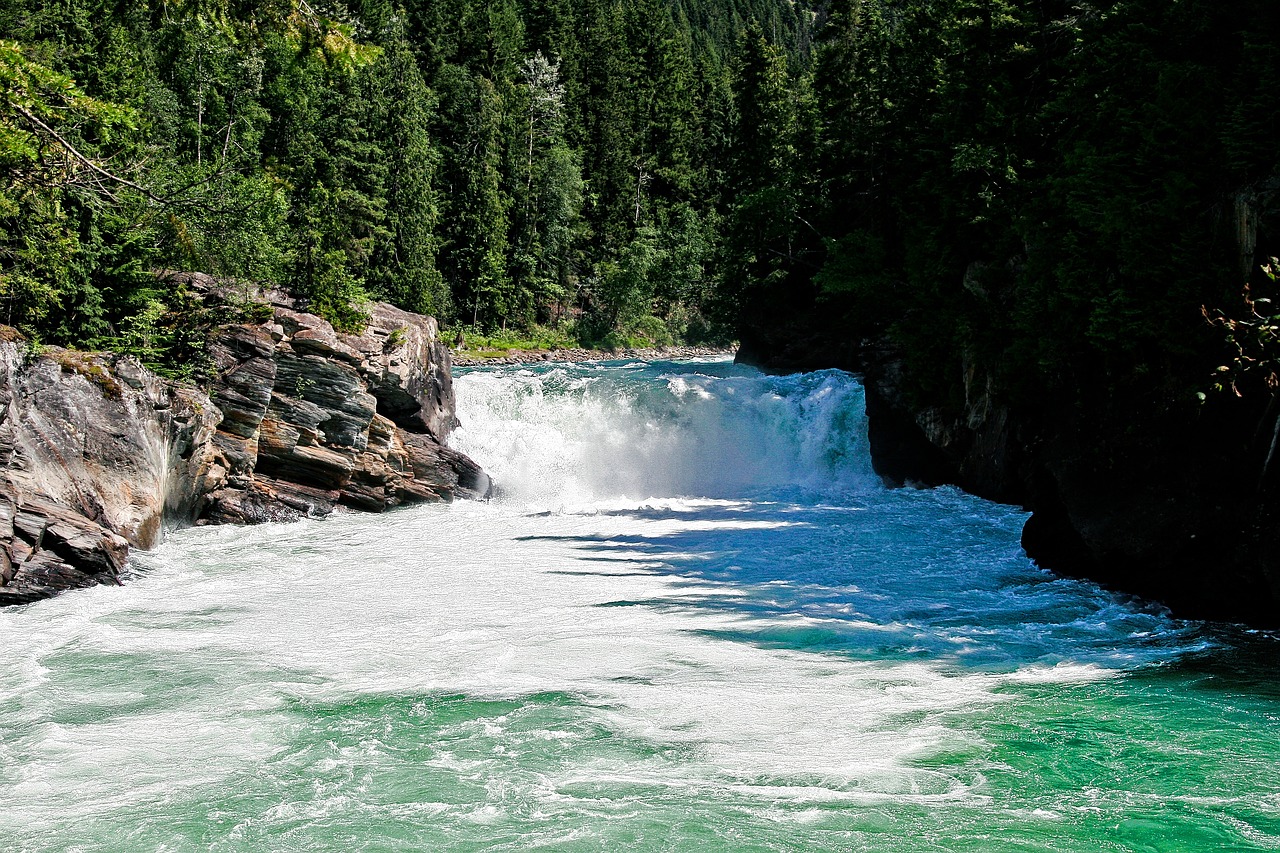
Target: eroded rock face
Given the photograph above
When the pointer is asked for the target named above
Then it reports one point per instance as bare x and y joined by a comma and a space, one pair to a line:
407, 368
314, 418
97, 454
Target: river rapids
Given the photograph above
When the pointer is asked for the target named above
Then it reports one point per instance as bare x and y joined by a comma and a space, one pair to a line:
691, 619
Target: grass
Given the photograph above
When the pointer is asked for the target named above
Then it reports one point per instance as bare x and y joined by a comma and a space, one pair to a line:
502, 344
648, 333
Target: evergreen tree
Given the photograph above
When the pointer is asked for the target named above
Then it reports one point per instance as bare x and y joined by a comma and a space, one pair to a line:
760, 247
551, 198
474, 258
403, 267
499, 163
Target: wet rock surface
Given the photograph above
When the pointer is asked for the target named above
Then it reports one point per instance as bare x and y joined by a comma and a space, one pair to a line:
96, 454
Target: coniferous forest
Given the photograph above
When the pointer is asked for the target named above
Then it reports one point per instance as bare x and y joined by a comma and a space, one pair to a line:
992, 568
1064, 189
564, 163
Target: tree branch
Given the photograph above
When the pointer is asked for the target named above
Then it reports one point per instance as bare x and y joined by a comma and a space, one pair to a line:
86, 161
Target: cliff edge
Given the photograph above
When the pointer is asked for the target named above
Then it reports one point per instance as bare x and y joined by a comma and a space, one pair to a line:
1151, 494
98, 454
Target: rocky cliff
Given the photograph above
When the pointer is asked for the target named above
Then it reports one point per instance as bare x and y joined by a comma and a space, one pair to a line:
1153, 494
98, 455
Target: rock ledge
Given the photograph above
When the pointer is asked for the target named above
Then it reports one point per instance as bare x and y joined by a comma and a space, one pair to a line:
98, 455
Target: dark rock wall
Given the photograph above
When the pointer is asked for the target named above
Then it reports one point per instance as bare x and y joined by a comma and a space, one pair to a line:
98, 455
1156, 495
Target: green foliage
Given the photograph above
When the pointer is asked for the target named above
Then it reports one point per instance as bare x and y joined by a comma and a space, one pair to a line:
626, 290
1254, 341
571, 163
858, 267
335, 294
36, 102
1049, 191
478, 344
53, 183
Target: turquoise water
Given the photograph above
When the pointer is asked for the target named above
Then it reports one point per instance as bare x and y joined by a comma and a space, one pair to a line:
692, 620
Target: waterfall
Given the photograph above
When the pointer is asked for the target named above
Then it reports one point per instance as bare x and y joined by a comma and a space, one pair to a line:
573, 435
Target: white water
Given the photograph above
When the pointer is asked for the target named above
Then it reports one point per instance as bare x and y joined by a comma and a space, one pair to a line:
693, 619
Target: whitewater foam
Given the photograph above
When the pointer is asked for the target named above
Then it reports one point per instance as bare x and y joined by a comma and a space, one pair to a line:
693, 617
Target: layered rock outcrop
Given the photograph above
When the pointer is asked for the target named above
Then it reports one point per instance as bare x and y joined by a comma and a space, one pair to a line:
98, 455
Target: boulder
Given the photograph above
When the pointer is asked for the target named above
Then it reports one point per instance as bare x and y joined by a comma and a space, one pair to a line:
408, 370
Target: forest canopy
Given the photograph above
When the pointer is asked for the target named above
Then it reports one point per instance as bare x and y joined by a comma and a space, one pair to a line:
1059, 190
497, 164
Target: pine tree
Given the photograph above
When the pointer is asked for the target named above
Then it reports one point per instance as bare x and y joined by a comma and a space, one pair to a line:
403, 267
760, 240
476, 220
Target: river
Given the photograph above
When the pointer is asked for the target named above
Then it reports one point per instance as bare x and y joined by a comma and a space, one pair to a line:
692, 619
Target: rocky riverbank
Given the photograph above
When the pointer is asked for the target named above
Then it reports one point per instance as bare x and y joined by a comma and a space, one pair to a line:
98, 455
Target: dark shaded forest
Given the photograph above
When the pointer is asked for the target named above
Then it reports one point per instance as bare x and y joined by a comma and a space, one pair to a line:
1053, 189
1059, 193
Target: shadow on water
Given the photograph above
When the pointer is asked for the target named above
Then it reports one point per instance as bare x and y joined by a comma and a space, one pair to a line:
1236, 660
909, 575
796, 545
